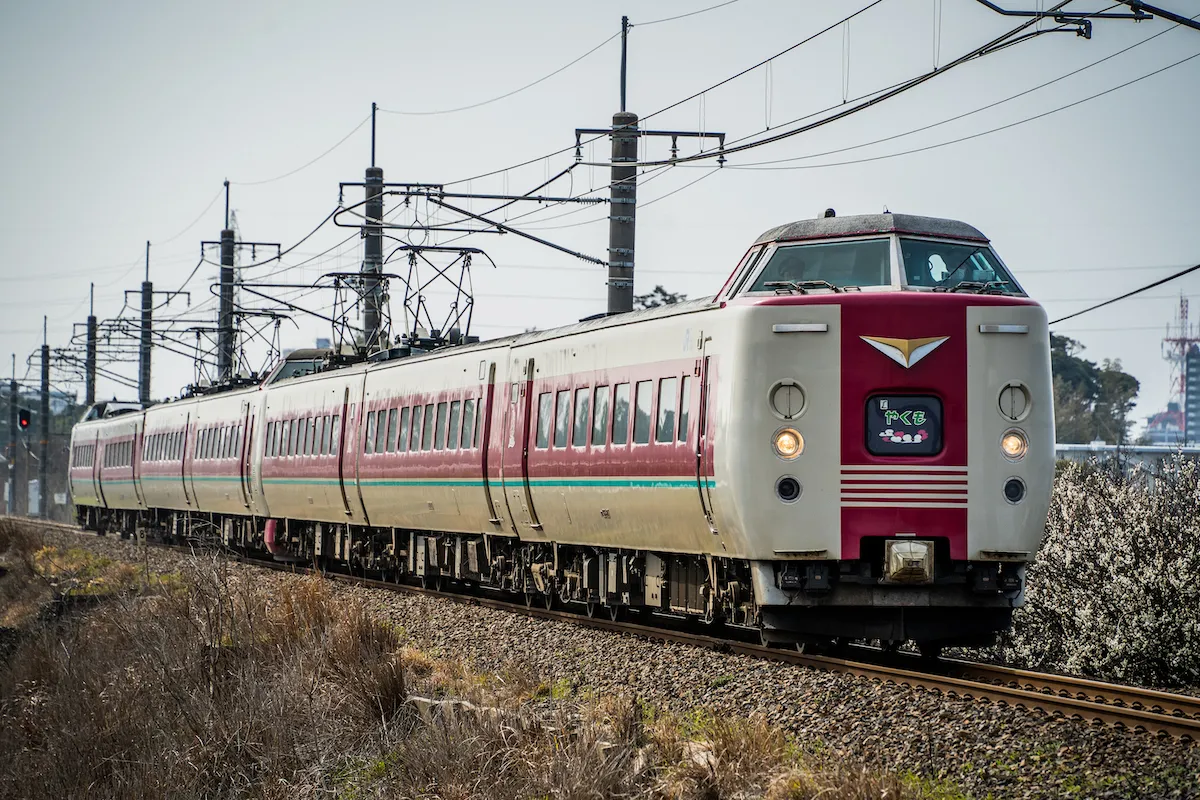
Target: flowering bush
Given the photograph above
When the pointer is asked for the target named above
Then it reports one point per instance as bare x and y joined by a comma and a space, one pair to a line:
1115, 591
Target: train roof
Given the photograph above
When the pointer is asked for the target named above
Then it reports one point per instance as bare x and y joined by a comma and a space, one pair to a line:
870, 224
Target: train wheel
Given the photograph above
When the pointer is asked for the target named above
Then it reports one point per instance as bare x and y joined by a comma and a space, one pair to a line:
592, 608
614, 612
547, 600
529, 598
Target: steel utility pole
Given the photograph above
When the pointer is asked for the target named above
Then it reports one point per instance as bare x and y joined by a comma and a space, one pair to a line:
44, 424
147, 322
13, 391
225, 343
622, 209
90, 358
374, 336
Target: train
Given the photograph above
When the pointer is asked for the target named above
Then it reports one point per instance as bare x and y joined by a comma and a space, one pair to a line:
853, 439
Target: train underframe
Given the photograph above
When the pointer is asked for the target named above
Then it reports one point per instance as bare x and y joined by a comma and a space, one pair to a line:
807, 603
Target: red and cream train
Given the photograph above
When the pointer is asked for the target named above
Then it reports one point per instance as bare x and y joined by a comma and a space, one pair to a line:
853, 439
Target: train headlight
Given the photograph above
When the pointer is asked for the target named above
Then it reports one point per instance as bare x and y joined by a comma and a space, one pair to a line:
1014, 444
788, 443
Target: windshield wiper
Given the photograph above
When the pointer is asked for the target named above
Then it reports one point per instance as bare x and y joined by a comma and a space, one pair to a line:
978, 287
802, 286
945, 287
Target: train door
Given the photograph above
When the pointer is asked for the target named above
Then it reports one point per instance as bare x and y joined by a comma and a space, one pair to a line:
244, 454
97, 466
703, 453
515, 466
135, 463
95, 471
488, 409
189, 452
348, 461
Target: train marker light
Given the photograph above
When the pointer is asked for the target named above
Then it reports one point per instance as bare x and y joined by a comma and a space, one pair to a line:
1014, 444
788, 443
23, 418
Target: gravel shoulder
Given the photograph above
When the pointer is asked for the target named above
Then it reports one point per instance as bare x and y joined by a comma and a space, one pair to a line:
961, 747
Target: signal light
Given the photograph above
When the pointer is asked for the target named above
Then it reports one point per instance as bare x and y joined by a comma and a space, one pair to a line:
23, 418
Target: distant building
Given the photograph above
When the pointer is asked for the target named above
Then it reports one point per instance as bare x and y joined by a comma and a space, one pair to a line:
1166, 427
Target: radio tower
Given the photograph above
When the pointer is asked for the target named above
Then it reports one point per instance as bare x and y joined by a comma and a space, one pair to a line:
1181, 348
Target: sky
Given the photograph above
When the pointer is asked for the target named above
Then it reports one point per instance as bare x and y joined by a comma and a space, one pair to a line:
122, 120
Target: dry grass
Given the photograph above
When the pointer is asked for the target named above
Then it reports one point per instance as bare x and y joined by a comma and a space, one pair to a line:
232, 687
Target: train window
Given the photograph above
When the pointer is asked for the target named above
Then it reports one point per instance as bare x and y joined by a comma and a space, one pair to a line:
752, 258
427, 428
455, 419
685, 404
326, 432
545, 412
665, 431
286, 438
478, 424
269, 442
381, 430
318, 436
468, 424
620, 429
854, 263
227, 441
583, 402
405, 420
391, 429
600, 416
335, 439
369, 442
945, 265
562, 418
643, 406
439, 438
415, 440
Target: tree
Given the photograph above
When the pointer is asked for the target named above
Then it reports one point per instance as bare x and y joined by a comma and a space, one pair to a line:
659, 297
1090, 401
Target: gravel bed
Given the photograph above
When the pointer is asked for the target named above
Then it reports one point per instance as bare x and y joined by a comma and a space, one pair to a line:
978, 748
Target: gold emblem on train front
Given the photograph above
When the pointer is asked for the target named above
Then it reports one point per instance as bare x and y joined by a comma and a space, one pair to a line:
905, 352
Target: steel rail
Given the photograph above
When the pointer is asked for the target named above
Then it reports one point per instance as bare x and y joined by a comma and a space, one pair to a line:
1060, 696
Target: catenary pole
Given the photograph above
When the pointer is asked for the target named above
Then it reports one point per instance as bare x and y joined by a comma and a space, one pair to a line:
144, 350
90, 358
374, 337
13, 392
226, 347
622, 210
44, 425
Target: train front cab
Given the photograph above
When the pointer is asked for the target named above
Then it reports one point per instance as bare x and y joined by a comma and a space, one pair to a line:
894, 477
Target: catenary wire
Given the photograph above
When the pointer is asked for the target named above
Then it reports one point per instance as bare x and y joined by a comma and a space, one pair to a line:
977, 135
958, 117
506, 94
1147, 287
683, 16
305, 166
673, 105
908, 85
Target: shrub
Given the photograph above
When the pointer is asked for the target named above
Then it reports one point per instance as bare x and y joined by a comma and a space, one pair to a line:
1115, 591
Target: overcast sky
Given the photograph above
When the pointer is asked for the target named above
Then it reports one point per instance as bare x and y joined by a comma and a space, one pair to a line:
120, 121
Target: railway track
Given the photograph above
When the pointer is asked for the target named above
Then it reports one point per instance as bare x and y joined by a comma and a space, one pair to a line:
1061, 696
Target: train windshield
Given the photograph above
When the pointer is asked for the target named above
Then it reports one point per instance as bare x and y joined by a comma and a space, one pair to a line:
955, 267
865, 262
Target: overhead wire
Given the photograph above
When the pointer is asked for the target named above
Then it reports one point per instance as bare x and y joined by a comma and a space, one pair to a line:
906, 86
305, 166
684, 16
733, 77
506, 94
1147, 287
